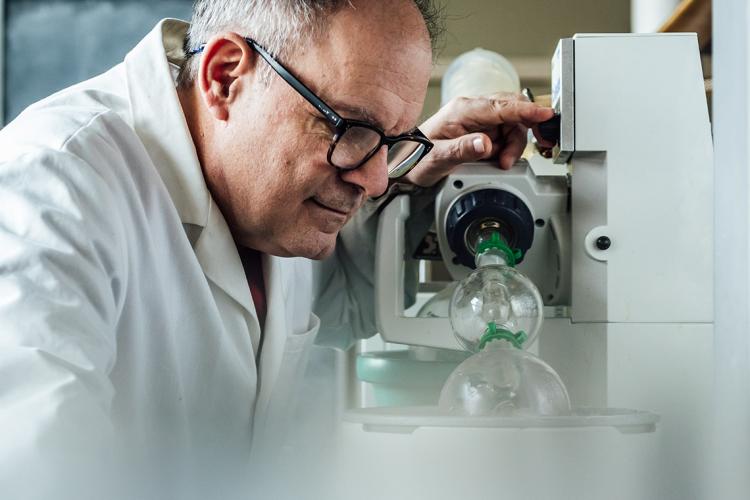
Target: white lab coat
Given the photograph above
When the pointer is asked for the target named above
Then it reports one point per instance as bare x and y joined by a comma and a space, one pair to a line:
127, 329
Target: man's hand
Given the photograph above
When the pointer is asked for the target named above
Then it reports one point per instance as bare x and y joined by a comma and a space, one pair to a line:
472, 129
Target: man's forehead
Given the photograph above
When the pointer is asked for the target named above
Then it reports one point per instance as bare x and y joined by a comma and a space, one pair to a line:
354, 112
387, 96
363, 90
372, 69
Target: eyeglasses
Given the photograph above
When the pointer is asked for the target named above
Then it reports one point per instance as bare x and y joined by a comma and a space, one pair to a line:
354, 142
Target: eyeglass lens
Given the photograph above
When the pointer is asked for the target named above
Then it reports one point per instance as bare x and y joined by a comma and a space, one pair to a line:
353, 146
402, 156
358, 142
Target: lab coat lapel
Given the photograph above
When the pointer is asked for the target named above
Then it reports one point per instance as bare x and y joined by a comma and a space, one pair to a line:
218, 256
160, 123
274, 333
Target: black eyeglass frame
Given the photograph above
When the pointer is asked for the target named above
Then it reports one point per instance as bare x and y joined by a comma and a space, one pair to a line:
340, 124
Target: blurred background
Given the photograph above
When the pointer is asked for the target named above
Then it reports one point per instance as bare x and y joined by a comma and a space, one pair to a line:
47, 45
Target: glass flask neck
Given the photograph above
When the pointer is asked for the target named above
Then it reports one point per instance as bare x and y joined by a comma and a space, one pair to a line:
491, 248
490, 257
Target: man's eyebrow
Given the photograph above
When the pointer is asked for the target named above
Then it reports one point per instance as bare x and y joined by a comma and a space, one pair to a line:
355, 113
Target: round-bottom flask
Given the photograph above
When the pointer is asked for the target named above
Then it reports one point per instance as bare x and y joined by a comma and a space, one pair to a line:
495, 298
503, 380
439, 304
498, 311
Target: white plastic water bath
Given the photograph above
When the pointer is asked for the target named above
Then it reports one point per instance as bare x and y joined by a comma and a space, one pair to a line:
417, 453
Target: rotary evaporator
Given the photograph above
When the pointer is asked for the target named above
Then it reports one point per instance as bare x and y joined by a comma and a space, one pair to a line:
566, 350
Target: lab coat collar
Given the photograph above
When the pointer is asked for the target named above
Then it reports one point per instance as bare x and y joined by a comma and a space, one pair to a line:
217, 253
159, 121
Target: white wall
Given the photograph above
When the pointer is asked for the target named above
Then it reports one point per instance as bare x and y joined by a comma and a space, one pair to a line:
731, 111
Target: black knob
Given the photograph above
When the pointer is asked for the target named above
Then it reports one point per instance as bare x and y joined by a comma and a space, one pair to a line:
550, 129
603, 242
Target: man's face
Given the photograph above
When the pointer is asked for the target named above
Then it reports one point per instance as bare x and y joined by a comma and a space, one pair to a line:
269, 171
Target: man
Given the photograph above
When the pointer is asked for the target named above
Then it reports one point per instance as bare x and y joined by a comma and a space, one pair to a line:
149, 307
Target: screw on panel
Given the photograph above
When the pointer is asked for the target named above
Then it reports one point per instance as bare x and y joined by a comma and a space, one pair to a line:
603, 243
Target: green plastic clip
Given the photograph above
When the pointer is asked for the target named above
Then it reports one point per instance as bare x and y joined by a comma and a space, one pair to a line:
494, 333
497, 242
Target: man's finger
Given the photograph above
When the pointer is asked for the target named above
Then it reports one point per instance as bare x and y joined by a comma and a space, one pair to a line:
491, 112
472, 147
447, 155
526, 113
515, 142
482, 114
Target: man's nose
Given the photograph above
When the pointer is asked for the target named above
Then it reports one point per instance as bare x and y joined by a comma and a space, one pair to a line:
372, 177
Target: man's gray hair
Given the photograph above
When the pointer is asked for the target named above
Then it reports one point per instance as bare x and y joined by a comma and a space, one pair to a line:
279, 25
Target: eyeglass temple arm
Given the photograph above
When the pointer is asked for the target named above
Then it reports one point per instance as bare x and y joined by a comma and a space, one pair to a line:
292, 80
300, 87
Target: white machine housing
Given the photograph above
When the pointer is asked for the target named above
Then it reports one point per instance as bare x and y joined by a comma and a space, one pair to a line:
635, 130
546, 262
636, 134
638, 332
545, 194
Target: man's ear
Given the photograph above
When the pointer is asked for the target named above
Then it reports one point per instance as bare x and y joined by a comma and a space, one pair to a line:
224, 60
